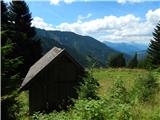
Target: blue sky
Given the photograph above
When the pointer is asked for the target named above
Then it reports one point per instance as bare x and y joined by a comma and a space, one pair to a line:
116, 21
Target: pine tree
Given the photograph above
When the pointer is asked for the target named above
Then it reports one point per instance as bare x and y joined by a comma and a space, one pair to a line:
4, 13
26, 45
154, 47
9, 63
133, 62
117, 60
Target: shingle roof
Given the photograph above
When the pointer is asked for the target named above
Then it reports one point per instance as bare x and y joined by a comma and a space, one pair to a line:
42, 63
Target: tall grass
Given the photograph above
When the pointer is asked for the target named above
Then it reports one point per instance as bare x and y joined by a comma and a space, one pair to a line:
124, 95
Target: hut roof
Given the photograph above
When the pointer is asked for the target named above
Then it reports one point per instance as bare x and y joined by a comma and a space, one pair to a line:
43, 62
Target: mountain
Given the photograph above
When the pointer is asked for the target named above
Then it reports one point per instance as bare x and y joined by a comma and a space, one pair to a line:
128, 48
85, 49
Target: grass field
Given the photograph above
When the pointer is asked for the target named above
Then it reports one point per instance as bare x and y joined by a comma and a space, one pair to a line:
106, 78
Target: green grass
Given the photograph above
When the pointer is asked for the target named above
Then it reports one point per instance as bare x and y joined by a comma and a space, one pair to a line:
106, 77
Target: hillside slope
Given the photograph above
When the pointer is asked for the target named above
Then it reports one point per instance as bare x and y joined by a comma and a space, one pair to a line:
84, 48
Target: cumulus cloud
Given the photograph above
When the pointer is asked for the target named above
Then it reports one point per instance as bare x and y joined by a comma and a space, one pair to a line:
68, 1
40, 23
113, 28
129, 1
56, 2
110, 28
153, 15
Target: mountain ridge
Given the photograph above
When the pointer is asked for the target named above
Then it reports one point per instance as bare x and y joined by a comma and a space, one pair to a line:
129, 48
85, 49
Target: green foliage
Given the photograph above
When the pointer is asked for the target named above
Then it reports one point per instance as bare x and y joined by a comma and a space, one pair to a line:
4, 14
23, 35
144, 88
11, 107
118, 92
154, 48
89, 87
13, 39
90, 109
133, 62
119, 106
117, 60
143, 63
83, 110
9, 65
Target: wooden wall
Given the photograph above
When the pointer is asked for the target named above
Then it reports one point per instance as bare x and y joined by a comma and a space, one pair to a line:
54, 86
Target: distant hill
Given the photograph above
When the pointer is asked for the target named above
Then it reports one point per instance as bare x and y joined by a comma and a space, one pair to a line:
141, 54
129, 48
85, 49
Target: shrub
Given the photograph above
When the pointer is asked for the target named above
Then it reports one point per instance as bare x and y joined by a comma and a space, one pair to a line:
89, 87
90, 109
11, 107
119, 107
83, 110
144, 88
118, 92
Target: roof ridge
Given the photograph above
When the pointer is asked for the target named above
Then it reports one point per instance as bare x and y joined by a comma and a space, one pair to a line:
41, 64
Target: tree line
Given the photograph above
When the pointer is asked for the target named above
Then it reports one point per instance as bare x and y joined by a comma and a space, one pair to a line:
152, 59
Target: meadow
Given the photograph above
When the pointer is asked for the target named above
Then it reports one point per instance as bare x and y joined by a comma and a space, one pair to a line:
106, 107
106, 78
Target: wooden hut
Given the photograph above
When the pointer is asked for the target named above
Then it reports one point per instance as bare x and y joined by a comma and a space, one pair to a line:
51, 81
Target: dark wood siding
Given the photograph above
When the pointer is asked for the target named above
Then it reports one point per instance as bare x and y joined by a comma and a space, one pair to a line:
54, 86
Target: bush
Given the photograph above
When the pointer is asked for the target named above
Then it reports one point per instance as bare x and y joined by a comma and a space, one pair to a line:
144, 88
83, 110
118, 92
89, 87
119, 106
90, 109
12, 107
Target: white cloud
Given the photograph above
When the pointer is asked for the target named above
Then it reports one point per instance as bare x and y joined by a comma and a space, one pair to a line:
40, 23
129, 1
103, 26
153, 16
112, 28
80, 17
68, 1
56, 2
127, 28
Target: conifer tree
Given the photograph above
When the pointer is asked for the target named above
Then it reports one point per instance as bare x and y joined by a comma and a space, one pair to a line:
117, 60
154, 47
133, 62
26, 45
4, 13
9, 63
